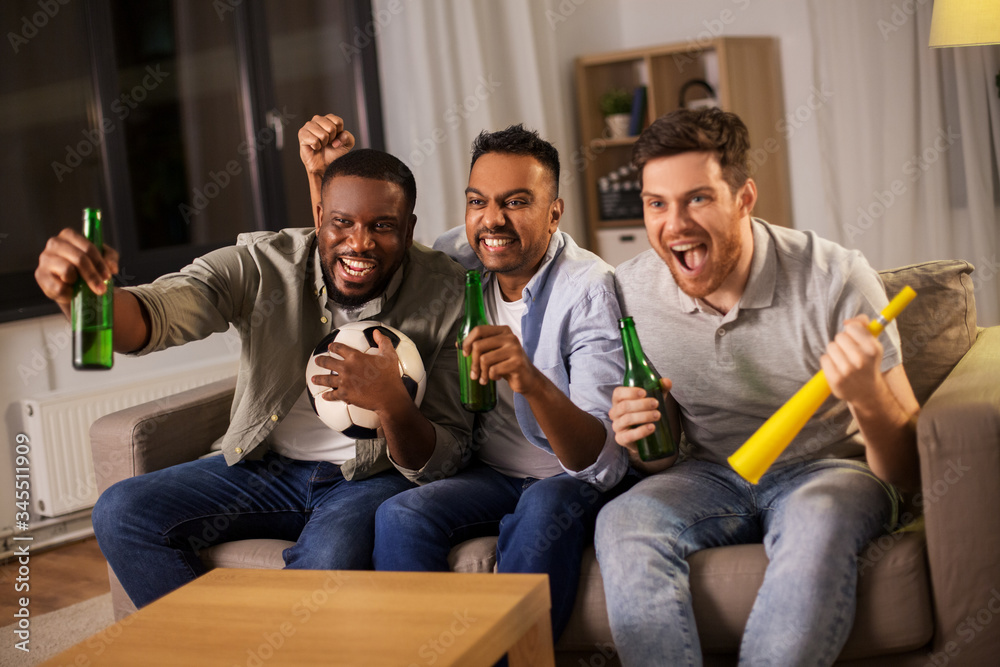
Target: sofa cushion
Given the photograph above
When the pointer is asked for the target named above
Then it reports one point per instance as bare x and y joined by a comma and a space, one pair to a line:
939, 326
893, 608
588, 628
253, 554
893, 598
476, 555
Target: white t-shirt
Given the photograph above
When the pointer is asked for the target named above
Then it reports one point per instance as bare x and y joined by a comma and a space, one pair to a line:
506, 450
301, 435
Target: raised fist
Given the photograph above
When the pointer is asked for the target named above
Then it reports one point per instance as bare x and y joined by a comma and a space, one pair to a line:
321, 141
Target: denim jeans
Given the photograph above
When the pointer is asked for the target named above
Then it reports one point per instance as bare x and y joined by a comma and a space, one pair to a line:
814, 518
151, 527
543, 527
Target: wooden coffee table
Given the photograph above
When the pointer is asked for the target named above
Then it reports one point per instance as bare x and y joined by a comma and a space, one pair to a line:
301, 617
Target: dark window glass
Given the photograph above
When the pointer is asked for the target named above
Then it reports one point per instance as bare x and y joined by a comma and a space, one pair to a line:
51, 160
178, 118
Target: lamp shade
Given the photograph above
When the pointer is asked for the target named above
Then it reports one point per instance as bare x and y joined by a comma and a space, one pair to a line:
965, 22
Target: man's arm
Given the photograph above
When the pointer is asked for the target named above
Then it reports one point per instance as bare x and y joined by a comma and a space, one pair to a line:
632, 417
321, 141
882, 403
575, 436
69, 256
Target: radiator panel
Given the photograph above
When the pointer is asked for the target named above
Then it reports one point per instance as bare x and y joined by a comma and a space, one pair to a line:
58, 428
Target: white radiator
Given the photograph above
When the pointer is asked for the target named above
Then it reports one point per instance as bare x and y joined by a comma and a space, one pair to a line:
58, 428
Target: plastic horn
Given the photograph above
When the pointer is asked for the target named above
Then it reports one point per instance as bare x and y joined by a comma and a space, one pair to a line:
757, 454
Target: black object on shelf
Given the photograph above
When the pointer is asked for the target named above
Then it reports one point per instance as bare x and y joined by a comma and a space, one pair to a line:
618, 194
638, 118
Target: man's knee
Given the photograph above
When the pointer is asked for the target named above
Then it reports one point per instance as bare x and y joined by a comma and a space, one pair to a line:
400, 511
389, 512
346, 553
555, 492
615, 519
119, 501
827, 513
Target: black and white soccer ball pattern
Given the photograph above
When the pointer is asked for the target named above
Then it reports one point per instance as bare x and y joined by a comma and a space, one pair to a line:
352, 421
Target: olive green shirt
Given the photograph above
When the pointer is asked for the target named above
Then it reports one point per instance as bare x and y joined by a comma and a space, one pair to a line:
270, 287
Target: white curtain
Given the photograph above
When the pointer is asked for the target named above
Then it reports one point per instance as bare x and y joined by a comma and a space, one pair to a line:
910, 139
450, 69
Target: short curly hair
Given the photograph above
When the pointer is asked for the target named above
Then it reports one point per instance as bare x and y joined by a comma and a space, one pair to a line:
377, 166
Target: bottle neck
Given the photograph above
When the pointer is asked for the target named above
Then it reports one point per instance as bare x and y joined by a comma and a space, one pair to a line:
92, 227
475, 309
632, 349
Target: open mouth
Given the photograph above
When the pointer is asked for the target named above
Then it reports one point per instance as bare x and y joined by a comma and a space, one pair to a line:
355, 267
690, 256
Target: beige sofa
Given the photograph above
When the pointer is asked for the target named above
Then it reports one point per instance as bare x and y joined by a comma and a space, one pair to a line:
926, 596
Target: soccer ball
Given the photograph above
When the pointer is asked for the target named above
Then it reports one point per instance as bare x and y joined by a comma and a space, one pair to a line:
354, 422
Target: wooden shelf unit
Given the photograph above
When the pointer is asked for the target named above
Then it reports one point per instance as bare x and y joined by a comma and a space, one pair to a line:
746, 75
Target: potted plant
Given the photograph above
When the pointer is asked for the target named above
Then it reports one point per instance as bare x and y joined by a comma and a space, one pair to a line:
616, 107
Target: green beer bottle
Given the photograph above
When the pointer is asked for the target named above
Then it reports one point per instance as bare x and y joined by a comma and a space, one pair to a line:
475, 397
91, 314
639, 373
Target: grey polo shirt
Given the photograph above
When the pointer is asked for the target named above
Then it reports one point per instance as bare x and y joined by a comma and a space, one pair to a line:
270, 287
731, 372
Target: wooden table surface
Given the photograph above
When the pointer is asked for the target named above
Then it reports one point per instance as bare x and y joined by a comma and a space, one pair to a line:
254, 618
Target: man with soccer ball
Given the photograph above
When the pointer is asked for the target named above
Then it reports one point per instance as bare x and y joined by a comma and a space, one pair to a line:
282, 473
546, 460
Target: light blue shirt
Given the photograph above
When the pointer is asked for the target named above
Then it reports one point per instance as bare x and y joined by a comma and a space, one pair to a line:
570, 333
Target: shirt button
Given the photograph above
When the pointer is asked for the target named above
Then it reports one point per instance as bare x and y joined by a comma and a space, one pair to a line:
722, 332
323, 319
239, 450
274, 418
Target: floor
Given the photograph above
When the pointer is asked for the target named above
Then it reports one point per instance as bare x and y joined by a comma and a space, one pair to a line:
58, 578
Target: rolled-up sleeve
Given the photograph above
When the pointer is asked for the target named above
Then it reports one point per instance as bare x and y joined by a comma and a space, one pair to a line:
201, 299
609, 468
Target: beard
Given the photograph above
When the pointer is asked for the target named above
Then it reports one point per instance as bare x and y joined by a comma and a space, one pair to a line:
726, 257
353, 301
348, 301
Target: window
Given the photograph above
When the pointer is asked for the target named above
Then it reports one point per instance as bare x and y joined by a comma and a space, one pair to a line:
178, 118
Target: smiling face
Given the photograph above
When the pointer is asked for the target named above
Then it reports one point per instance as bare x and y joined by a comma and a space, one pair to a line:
510, 214
364, 228
698, 226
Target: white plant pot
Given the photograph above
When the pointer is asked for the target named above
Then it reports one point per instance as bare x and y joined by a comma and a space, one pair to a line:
617, 125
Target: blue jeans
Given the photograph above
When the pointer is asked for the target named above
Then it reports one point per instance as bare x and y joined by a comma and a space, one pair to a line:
814, 519
151, 527
543, 527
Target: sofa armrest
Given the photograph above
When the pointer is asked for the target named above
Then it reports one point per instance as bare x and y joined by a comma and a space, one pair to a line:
160, 433
958, 437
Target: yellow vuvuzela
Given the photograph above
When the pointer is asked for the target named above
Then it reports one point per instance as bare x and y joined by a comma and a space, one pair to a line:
757, 454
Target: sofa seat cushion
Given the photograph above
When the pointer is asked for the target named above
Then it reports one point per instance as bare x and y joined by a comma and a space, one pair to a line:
252, 554
476, 555
893, 611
